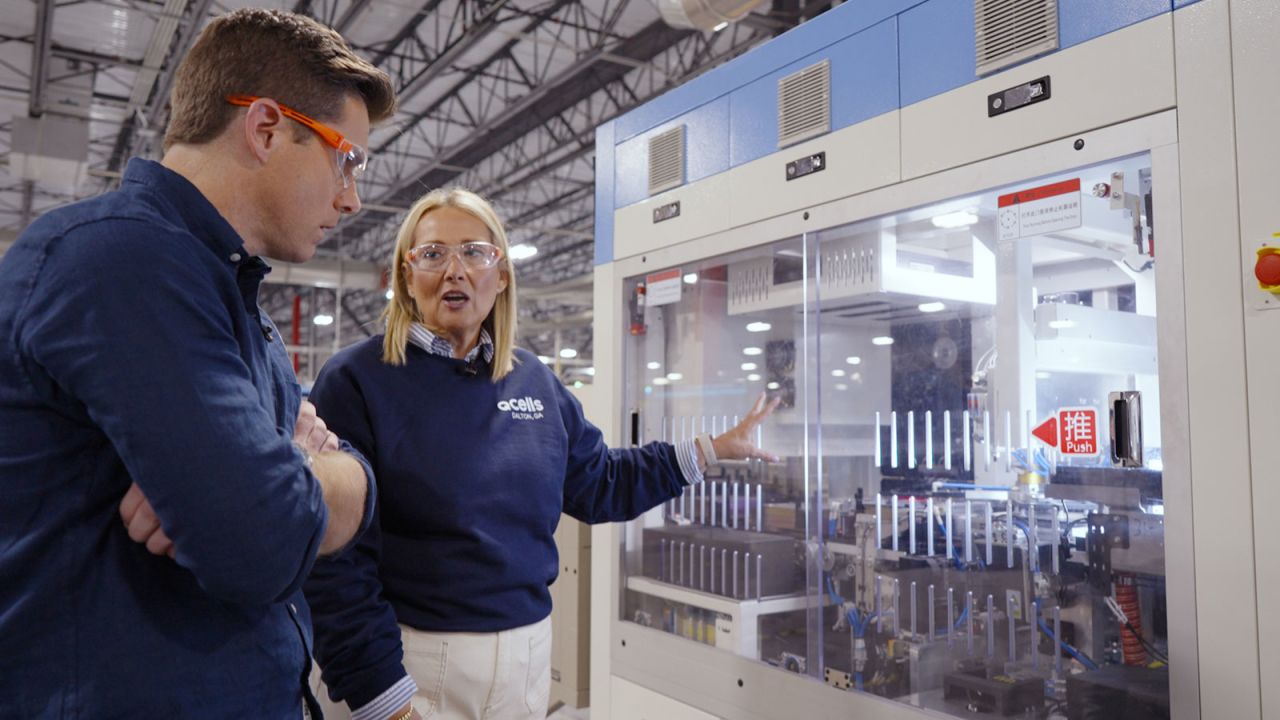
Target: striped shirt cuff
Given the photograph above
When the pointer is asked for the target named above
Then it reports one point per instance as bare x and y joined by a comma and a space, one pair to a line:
687, 457
391, 699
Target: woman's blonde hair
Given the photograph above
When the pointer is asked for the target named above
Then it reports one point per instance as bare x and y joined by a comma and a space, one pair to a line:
402, 312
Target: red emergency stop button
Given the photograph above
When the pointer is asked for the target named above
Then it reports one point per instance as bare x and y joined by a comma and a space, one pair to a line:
1267, 269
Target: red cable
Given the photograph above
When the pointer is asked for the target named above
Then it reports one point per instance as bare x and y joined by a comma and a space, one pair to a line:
1127, 598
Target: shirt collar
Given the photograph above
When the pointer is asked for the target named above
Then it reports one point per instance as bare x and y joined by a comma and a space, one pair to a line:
422, 337
197, 213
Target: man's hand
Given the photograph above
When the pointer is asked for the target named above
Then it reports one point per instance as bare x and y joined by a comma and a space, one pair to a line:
738, 443
143, 525
311, 433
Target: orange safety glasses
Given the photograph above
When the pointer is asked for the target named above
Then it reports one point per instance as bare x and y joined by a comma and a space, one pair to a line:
351, 158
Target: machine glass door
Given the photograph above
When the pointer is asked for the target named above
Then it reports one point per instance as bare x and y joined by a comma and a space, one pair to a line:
719, 563
992, 535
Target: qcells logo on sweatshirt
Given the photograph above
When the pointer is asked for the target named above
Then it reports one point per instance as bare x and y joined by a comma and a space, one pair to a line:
524, 408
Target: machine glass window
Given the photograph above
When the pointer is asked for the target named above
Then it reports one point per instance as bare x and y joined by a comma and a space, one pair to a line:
968, 516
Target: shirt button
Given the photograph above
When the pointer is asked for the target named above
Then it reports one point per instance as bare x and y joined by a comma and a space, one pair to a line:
235, 257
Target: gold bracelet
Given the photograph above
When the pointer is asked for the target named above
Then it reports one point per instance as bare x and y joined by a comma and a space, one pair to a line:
408, 714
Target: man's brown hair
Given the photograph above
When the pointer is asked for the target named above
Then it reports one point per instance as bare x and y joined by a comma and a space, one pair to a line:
289, 58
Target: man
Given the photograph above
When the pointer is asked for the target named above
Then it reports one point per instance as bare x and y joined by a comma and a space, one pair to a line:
139, 379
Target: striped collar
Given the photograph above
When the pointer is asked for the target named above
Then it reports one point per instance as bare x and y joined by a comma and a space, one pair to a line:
422, 337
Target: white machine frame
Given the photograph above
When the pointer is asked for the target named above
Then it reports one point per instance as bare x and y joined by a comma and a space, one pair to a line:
1220, 91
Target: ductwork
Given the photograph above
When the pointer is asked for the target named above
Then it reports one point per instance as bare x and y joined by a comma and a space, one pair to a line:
705, 15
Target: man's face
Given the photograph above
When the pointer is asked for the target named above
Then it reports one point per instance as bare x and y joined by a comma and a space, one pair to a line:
303, 195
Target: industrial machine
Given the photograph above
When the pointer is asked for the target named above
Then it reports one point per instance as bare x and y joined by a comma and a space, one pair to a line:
973, 263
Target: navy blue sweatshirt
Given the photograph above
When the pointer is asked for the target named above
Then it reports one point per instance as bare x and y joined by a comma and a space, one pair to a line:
472, 478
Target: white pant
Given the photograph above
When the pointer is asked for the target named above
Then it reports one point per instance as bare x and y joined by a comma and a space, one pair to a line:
473, 676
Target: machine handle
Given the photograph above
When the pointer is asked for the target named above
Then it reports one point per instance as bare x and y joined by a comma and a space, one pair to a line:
1126, 428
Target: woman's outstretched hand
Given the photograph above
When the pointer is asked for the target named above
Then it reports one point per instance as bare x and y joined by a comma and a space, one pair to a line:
738, 442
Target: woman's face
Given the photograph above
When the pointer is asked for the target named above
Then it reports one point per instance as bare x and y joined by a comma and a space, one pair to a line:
454, 300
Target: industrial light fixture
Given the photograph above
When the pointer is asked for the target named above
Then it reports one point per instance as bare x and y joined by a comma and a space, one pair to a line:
950, 221
1062, 324
322, 319
589, 371
748, 366
523, 251
882, 340
720, 27
931, 307
837, 373
391, 293
853, 360
773, 386
654, 365
660, 381
568, 353
752, 351
753, 377
674, 376
759, 327
841, 386
546, 359
690, 278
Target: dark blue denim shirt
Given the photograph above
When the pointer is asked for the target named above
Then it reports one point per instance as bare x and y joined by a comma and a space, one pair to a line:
132, 349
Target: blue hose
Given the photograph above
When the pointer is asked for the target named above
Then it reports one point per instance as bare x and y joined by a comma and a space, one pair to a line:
1044, 628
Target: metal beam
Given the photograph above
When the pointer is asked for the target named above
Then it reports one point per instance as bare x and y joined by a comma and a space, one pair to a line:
40, 46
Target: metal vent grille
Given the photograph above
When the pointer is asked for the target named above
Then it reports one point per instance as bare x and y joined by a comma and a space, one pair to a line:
1010, 31
666, 160
804, 104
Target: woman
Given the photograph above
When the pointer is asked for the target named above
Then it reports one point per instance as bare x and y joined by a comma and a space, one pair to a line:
477, 448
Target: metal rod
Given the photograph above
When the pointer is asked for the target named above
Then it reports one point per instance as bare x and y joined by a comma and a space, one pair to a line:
893, 524
1033, 537
951, 614
946, 440
970, 611
914, 633
1057, 633
1034, 624
759, 577
879, 613
991, 627
986, 439
735, 574
951, 528
713, 502
878, 459
968, 531
933, 614
702, 567
896, 598
680, 572
1057, 541
990, 531
724, 572
1008, 531
911, 522
968, 433
1008, 440
713, 567
911, 439
893, 439
746, 516
734, 516
1013, 637
662, 560
759, 507
928, 525
746, 575
704, 503
928, 439
879, 522
693, 551
724, 503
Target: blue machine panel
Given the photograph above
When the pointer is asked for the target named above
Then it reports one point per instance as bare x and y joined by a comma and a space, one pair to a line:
604, 194
706, 144
831, 27
864, 84
936, 49
1083, 20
